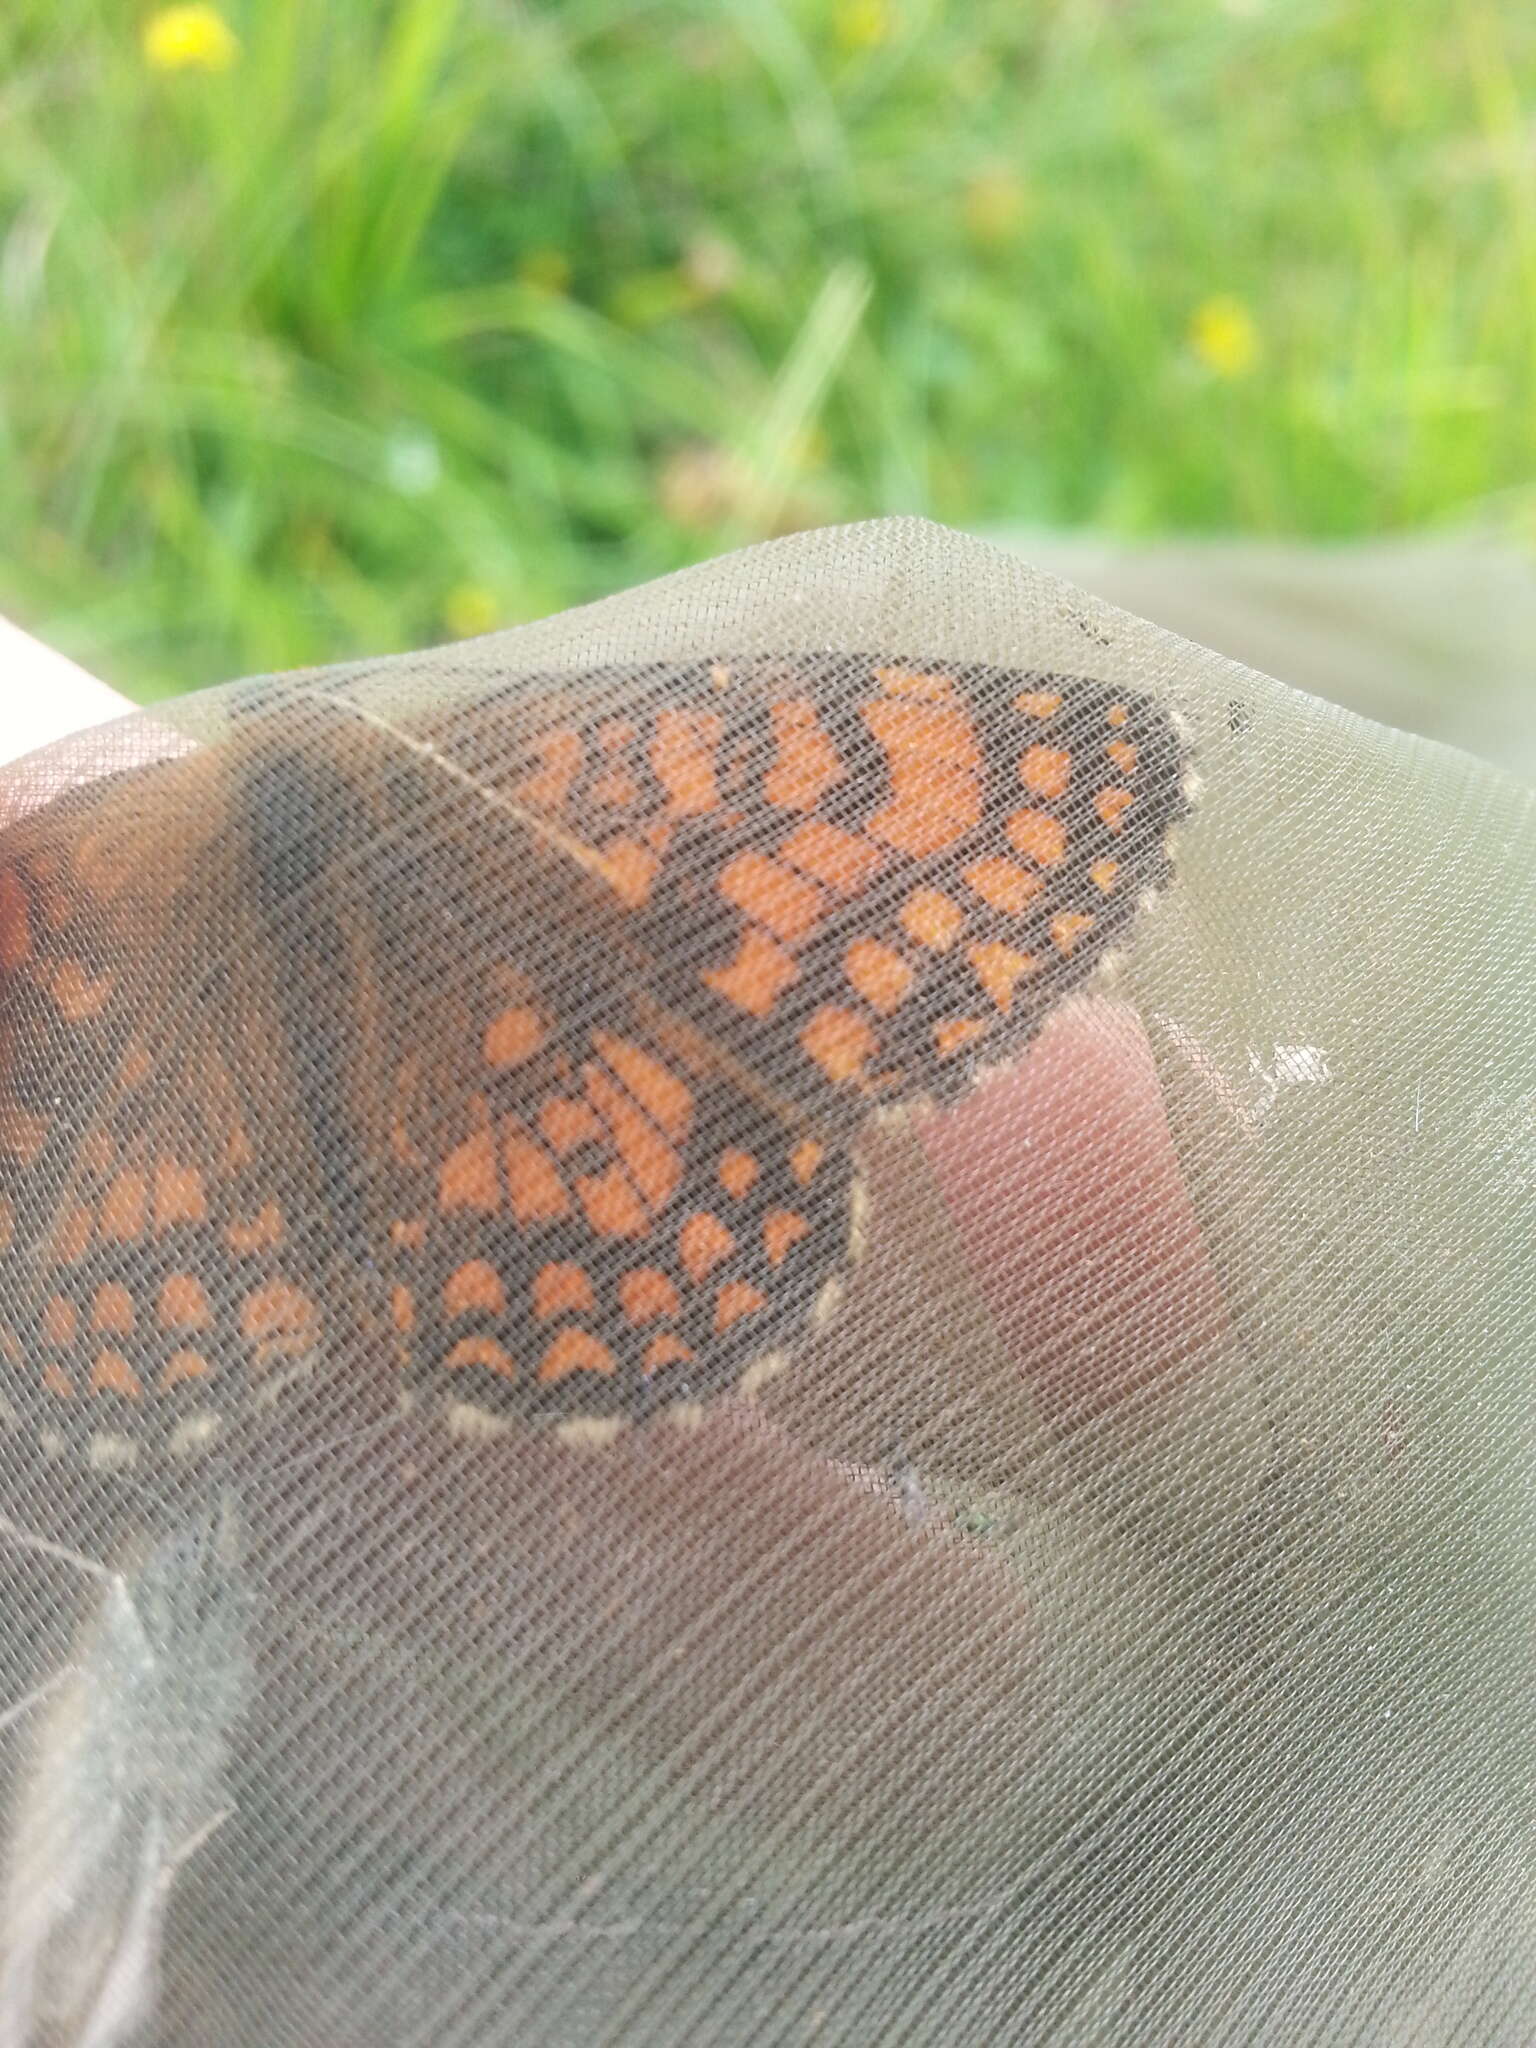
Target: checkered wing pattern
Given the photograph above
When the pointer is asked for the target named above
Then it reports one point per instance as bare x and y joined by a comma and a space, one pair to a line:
531, 1034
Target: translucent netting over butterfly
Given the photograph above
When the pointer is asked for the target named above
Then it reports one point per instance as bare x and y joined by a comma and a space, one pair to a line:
715, 1327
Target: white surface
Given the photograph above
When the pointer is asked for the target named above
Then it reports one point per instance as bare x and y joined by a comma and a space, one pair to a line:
44, 694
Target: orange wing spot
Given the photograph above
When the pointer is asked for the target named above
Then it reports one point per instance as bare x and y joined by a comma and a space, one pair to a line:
99, 866
805, 1159
576, 1351
124, 1208
58, 1382
475, 1288
934, 766
682, 754
1117, 714
1038, 836
954, 1033
408, 1233
1123, 754
667, 1100
845, 861
112, 1310
615, 734
786, 903
1003, 884
933, 919
647, 1293
738, 1172
76, 996
72, 1237
180, 1196
878, 973
513, 1037
930, 685
548, 788
7, 1223
402, 1308
614, 788
264, 1230
840, 1043
737, 1298
782, 1231
998, 968
60, 1321
481, 1351
630, 870
1067, 927
182, 1365
1046, 770
666, 1349
15, 922
537, 1192
112, 1374
757, 977
560, 1286
653, 1164
613, 1208
1037, 703
135, 1067
468, 1178
808, 764
280, 1316
564, 1124
702, 1243
183, 1303
238, 1149
1111, 805
23, 1133
1103, 873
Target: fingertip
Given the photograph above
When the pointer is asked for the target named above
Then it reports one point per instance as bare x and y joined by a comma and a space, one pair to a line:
1069, 1199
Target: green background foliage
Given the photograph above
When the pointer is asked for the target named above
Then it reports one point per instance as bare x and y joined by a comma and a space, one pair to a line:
405, 318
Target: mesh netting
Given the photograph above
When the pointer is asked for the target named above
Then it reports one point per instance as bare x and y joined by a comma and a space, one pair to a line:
796, 1309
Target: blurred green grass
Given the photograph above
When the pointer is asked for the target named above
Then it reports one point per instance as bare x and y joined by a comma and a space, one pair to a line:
421, 317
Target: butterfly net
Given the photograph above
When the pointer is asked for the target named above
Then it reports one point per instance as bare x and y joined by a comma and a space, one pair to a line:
797, 1309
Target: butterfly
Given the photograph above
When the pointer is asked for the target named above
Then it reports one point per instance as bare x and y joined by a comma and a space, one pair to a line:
519, 1036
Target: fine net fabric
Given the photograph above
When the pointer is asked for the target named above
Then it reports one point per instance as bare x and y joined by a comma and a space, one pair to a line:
1111, 1625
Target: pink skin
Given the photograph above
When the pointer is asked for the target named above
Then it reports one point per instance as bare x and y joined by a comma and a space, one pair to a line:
1093, 1250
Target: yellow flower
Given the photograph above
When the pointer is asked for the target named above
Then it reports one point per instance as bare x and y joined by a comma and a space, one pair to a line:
468, 609
1223, 336
189, 39
995, 205
862, 24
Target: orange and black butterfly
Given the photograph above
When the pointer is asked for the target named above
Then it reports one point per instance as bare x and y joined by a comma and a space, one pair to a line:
530, 1031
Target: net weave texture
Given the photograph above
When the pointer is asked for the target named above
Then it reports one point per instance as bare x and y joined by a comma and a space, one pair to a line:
798, 1309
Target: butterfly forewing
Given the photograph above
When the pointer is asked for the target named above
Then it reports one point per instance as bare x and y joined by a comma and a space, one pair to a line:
863, 877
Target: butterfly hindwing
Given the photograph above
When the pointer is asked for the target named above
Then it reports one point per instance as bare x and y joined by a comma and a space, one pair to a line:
156, 1276
583, 1211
